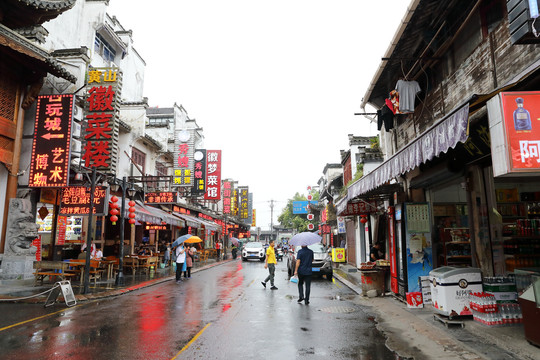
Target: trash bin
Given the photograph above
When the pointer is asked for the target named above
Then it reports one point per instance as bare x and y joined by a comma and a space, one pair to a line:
450, 288
530, 308
372, 280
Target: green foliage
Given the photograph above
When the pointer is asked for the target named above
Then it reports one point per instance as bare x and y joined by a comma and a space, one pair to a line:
299, 222
375, 143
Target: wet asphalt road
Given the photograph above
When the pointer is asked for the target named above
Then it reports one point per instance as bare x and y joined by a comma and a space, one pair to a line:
220, 313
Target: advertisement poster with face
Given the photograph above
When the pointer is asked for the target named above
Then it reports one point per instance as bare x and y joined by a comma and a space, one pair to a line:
419, 245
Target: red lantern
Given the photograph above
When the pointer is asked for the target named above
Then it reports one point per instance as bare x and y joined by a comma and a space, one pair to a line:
114, 205
131, 209
114, 212
114, 199
114, 219
363, 219
131, 203
132, 221
131, 215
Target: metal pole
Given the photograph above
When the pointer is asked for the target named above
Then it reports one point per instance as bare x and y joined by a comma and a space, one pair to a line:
89, 235
120, 276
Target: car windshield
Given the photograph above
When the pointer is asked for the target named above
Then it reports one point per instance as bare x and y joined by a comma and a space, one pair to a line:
317, 248
254, 245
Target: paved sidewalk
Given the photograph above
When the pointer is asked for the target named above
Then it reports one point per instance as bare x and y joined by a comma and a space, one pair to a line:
414, 333
28, 293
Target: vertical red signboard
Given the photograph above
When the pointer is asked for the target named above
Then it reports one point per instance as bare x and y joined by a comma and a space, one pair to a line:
62, 225
521, 112
213, 175
101, 131
227, 193
49, 166
392, 251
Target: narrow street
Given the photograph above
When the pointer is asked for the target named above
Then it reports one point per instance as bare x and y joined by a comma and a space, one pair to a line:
222, 312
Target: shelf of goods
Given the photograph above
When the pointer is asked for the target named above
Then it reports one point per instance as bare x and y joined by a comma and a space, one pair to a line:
457, 246
522, 246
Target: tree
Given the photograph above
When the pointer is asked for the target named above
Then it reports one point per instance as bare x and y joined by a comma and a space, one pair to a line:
299, 222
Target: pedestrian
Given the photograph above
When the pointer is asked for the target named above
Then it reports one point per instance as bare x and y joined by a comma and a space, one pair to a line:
304, 261
376, 252
270, 264
167, 255
180, 259
218, 249
189, 263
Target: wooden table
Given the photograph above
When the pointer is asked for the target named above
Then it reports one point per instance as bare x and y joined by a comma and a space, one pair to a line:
51, 269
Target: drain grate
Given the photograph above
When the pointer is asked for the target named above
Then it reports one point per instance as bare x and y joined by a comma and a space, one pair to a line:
338, 309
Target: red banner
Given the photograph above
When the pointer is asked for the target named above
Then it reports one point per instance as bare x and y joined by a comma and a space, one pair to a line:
359, 208
213, 175
62, 224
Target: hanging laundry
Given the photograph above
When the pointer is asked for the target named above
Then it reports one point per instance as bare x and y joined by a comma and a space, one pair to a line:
407, 93
390, 105
394, 99
385, 117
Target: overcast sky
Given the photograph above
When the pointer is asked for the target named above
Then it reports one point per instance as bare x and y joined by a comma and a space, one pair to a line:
275, 84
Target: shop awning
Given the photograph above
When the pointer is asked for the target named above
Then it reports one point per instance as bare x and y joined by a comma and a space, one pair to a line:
165, 216
209, 225
190, 220
142, 214
442, 136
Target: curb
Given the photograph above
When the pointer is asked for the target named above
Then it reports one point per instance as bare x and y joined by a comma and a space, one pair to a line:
115, 292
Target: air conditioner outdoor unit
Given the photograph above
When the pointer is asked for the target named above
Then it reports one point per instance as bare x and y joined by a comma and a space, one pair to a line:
76, 147
75, 130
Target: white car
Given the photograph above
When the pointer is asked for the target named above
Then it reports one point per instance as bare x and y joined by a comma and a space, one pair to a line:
253, 250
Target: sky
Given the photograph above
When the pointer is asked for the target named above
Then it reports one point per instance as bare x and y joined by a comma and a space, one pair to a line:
274, 84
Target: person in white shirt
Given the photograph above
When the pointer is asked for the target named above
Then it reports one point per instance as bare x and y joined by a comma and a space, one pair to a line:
98, 254
180, 259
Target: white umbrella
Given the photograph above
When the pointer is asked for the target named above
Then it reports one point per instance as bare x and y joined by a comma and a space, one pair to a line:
235, 241
305, 238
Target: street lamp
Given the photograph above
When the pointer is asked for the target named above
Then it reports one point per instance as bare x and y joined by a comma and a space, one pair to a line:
131, 191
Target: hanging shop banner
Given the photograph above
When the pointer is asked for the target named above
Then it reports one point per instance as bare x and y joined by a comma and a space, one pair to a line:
521, 114
341, 225
358, 208
213, 175
199, 172
62, 225
49, 166
419, 244
75, 200
249, 219
161, 197
101, 114
227, 195
243, 202
254, 218
184, 148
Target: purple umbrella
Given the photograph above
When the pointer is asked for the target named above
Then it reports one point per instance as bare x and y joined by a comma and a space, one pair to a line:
234, 241
304, 239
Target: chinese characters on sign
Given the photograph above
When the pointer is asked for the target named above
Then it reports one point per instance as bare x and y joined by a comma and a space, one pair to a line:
521, 112
254, 219
49, 166
156, 227
163, 197
76, 201
359, 208
417, 216
243, 201
227, 196
213, 175
199, 172
101, 131
183, 158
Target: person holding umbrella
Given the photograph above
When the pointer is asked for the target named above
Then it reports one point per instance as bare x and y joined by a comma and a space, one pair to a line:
304, 262
270, 264
180, 259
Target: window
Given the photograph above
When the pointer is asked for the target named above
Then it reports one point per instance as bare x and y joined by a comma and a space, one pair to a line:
158, 121
139, 158
161, 169
103, 48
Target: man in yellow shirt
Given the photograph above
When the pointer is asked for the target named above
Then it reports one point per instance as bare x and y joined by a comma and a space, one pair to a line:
270, 264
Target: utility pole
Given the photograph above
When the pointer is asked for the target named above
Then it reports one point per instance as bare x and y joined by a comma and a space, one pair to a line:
271, 219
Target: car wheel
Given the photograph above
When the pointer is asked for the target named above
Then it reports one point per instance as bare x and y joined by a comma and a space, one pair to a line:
262, 259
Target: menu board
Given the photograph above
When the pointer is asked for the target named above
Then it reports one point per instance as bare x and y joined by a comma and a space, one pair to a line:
418, 218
